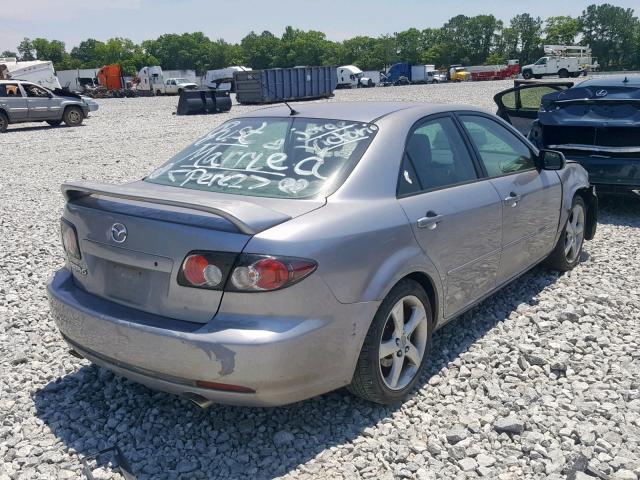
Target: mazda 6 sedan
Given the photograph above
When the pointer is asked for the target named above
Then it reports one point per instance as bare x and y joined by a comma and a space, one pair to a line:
289, 253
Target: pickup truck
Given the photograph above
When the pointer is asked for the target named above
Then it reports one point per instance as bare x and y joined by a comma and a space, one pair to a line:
175, 86
22, 101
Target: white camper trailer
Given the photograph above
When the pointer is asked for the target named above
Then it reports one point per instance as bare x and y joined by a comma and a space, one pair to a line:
222, 79
37, 71
350, 76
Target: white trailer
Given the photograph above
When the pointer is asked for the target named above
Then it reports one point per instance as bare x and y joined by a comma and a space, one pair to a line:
350, 76
78, 80
37, 71
422, 73
222, 78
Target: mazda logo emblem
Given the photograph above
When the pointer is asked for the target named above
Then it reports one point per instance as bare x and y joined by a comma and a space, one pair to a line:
601, 93
118, 233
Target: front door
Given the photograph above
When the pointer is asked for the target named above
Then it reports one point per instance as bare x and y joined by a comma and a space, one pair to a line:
38, 101
531, 198
13, 102
455, 215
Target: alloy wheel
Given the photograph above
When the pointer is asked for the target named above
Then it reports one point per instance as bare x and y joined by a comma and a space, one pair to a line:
574, 233
403, 342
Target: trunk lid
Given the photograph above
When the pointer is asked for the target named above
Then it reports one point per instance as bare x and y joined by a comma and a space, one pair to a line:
162, 224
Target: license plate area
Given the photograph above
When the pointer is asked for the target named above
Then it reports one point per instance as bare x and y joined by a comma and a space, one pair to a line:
126, 283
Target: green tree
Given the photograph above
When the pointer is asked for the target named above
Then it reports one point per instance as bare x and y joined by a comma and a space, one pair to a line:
26, 50
562, 30
9, 54
610, 32
260, 51
528, 32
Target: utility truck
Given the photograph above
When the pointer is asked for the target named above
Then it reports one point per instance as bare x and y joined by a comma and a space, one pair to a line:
350, 76
562, 60
40, 72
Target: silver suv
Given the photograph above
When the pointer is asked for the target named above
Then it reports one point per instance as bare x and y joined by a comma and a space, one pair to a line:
27, 102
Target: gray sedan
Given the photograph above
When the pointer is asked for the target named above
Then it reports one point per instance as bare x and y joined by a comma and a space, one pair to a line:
22, 101
289, 253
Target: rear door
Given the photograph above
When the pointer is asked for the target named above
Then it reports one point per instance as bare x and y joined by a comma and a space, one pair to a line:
456, 215
531, 198
13, 101
519, 105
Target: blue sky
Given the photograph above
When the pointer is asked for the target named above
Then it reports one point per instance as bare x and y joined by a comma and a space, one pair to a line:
74, 20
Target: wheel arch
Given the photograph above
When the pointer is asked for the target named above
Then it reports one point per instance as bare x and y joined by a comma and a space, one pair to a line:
591, 201
429, 287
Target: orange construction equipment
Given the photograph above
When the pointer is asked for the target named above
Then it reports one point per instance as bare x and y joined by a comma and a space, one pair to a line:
110, 77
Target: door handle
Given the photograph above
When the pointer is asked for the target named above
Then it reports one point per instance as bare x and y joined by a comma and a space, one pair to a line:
430, 221
513, 199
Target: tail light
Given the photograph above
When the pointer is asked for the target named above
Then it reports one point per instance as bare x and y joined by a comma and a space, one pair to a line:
70, 239
208, 270
259, 273
250, 273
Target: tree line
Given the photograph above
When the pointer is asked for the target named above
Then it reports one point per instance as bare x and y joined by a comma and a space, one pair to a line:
612, 32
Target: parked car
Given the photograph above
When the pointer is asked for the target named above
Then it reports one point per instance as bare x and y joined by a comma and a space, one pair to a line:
292, 252
175, 86
596, 123
27, 102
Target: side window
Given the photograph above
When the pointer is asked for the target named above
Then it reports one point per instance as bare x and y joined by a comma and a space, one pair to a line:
35, 91
500, 150
10, 90
436, 157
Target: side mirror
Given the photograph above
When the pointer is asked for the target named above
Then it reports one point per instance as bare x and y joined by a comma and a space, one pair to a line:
551, 160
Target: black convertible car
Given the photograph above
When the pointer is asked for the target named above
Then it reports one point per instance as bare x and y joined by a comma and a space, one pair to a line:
596, 123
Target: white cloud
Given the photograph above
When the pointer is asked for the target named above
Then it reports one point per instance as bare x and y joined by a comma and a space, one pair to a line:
48, 10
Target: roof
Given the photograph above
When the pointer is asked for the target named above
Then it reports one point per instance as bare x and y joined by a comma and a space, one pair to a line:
612, 81
353, 111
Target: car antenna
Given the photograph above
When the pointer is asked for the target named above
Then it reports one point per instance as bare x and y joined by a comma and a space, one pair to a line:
293, 112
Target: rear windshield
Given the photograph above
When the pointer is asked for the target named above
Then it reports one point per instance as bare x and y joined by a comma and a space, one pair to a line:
270, 157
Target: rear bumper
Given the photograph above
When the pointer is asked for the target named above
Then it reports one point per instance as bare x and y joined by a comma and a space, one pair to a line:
283, 360
614, 175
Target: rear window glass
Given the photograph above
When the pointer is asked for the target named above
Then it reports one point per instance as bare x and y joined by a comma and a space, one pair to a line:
270, 157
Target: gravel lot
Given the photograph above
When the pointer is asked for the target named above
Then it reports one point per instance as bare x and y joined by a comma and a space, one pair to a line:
542, 380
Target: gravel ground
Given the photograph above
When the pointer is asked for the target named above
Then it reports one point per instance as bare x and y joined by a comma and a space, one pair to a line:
542, 380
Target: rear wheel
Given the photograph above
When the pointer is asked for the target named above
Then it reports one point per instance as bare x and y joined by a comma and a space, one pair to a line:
563, 73
566, 254
54, 123
393, 353
158, 92
4, 122
537, 77
73, 116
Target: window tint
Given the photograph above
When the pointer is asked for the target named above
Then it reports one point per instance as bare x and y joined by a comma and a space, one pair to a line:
10, 90
500, 150
438, 157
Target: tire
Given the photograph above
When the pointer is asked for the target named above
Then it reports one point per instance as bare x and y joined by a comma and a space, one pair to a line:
4, 122
54, 123
73, 116
158, 93
537, 77
388, 379
566, 254
179, 91
527, 74
563, 73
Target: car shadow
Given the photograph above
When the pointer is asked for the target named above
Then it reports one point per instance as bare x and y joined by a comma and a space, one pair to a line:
35, 128
619, 210
160, 434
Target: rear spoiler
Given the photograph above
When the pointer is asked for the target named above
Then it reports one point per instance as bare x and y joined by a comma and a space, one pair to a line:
247, 217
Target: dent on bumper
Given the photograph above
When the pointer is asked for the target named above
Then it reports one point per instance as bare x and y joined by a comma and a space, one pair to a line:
283, 359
